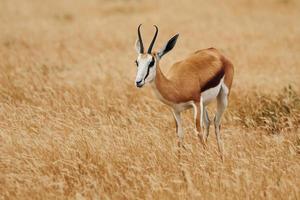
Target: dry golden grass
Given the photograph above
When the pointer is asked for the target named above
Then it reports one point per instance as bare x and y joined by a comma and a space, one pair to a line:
73, 125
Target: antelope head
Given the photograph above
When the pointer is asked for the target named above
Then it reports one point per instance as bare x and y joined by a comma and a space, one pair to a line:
146, 62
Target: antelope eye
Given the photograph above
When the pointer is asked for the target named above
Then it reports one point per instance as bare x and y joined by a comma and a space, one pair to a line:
151, 63
136, 62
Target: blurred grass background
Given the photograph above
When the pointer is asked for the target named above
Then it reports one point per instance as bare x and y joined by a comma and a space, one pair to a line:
73, 125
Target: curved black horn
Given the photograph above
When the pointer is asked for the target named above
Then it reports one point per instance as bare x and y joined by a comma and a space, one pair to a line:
153, 40
140, 39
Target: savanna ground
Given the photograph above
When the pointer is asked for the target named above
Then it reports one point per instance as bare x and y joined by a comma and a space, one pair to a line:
73, 125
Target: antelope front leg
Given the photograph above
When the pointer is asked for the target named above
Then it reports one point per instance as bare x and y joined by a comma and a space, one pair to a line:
206, 123
199, 121
179, 129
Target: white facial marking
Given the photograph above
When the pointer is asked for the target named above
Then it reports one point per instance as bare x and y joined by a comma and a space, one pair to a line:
145, 72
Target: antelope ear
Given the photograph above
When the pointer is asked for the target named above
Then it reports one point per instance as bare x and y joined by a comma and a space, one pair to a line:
138, 46
168, 47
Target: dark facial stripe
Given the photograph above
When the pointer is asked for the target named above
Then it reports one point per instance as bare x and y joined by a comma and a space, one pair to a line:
214, 81
149, 66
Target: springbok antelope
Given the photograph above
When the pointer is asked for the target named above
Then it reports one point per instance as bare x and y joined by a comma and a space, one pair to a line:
194, 82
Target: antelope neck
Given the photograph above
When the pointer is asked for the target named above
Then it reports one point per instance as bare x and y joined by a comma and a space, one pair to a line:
164, 87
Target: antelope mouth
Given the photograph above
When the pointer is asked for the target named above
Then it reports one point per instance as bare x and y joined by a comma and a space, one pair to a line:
140, 84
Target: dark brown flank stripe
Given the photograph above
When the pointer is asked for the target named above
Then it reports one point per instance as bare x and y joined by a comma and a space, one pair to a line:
214, 81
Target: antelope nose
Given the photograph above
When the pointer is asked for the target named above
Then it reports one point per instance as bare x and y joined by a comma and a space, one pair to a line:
138, 83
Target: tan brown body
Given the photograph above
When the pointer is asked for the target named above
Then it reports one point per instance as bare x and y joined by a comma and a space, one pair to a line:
188, 78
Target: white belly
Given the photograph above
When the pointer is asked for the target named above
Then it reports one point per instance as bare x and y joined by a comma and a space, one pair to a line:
212, 93
183, 106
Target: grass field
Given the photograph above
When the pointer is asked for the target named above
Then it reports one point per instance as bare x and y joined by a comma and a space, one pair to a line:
73, 124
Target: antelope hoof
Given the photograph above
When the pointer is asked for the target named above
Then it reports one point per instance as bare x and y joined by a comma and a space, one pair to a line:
222, 157
202, 139
180, 144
